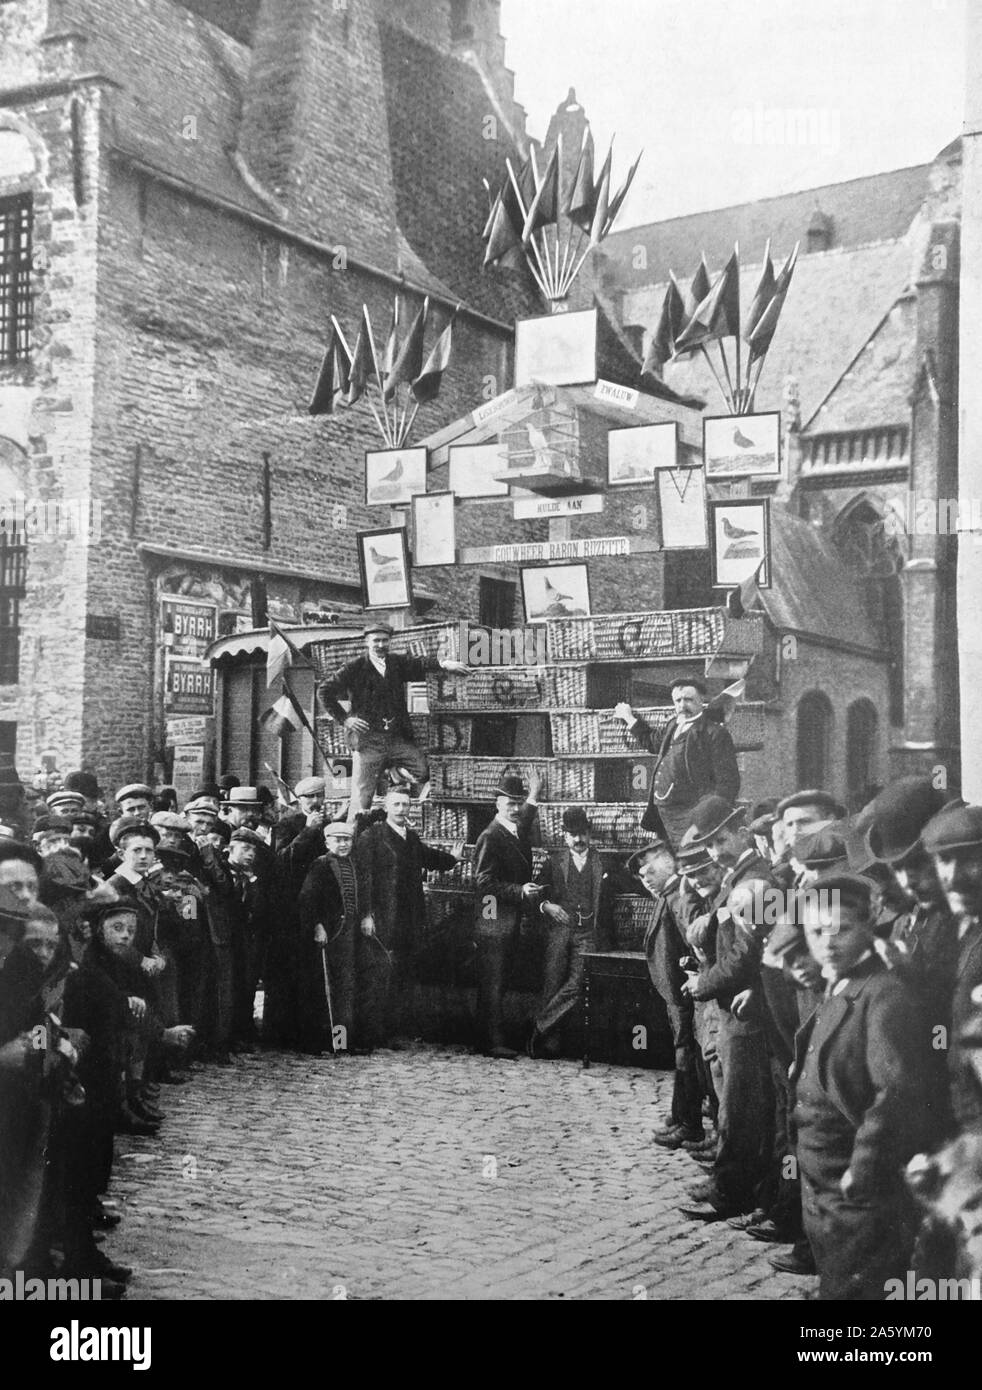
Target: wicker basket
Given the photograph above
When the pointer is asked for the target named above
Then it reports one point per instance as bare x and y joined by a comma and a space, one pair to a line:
444, 903
616, 824
637, 636
631, 918
450, 733
577, 731
443, 822
503, 691
460, 876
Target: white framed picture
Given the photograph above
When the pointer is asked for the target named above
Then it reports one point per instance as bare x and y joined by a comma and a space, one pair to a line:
742, 446
682, 506
472, 470
635, 455
383, 557
555, 591
559, 349
740, 541
392, 476
434, 529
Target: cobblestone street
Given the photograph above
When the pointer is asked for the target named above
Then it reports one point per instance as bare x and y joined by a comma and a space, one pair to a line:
423, 1174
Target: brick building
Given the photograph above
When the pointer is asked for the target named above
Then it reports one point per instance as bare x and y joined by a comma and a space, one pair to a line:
188, 191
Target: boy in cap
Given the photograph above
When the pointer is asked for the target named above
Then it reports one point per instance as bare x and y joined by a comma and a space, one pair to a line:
577, 905
331, 906
377, 727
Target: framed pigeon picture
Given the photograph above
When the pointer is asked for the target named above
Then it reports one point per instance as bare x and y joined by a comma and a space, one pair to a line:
742, 446
740, 542
555, 591
383, 557
634, 455
392, 476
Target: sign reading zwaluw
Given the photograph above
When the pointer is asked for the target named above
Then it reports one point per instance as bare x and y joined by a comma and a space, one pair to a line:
189, 686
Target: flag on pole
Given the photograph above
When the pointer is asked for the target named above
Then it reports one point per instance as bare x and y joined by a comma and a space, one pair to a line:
508, 214
763, 294
392, 342
601, 202
361, 363
662, 345
408, 361
281, 654
699, 287
334, 375
764, 329
543, 209
581, 204
621, 194
427, 385
718, 316
281, 717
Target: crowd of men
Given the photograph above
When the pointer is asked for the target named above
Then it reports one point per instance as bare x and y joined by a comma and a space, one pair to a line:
821, 976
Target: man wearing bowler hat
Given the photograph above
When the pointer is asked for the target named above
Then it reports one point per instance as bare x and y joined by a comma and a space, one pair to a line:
377, 727
506, 893
954, 839
577, 907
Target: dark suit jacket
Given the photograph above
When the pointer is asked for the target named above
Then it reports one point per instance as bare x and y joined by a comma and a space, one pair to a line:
374, 698
966, 1089
554, 876
391, 871
879, 1080
710, 765
502, 864
737, 950
321, 899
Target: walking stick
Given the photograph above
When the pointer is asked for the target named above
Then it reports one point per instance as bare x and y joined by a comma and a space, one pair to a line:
327, 997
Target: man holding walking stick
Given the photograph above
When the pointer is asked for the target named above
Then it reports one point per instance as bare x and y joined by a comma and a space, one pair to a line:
331, 909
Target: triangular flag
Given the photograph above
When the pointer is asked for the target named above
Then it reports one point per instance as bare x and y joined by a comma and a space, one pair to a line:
426, 387
392, 342
544, 206
409, 360
601, 202
621, 194
281, 718
508, 214
763, 294
764, 329
662, 345
361, 363
581, 204
281, 654
334, 374
718, 316
699, 287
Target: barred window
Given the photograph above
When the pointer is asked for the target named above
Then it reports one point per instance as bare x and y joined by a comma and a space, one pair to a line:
13, 563
15, 278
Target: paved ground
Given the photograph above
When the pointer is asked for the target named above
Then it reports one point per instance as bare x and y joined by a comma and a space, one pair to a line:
423, 1174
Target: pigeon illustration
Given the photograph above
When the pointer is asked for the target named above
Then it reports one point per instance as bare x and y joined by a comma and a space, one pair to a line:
741, 440
554, 596
734, 533
394, 474
380, 560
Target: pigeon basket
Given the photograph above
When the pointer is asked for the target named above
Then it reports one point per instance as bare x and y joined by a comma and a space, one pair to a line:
330, 736
637, 636
450, 733
444, 822
460, 876
442, 904
616, 824
746, 727
452, 777
600, 732
503, 690
631, 917
488, 772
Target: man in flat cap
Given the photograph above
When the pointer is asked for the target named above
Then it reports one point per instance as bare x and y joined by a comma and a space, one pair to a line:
251, 910
694, 758
135, 800
578, 909
377, 727
331, 907
954, 839
866, 1087
391, 860
308, 814
803, 813
506, 892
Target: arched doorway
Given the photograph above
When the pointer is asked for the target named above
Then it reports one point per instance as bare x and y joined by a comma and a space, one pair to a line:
861, 722
814, 740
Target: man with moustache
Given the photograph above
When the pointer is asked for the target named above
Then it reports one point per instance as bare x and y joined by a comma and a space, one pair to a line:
866, 1088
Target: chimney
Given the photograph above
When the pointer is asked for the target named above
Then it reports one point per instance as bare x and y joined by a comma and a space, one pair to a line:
314, 122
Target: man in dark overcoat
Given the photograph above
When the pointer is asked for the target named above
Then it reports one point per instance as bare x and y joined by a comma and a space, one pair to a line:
331, 906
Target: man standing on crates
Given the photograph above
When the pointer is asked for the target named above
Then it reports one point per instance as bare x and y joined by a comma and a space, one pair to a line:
378, 729
695, 758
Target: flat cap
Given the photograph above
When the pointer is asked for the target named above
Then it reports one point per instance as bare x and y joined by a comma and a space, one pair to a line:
51, 825
65, 800
339, 827
822, 850
311, 786
369, 628
169, 820
850, 887
64, 874
129, 825
813, 796
956, 827
134, 789
203, 804
246, 836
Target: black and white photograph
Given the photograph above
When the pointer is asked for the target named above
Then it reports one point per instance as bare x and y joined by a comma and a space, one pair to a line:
434, 529
740, 542
394, 476
742, 446
490, 603
636, 455
556, 591
384, 559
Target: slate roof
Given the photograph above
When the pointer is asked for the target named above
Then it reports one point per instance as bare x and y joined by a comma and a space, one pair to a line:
875, 207
812, 591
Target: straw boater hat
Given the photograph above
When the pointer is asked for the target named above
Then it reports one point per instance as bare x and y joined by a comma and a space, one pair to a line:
242, 796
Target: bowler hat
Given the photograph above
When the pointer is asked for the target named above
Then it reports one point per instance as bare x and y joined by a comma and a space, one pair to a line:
229, 780
512, 787
85, 782
709, 816
128, 825
956, 827
636, 859
369, 628
311, 786
899, 815
813, 796
575, 821
134, 789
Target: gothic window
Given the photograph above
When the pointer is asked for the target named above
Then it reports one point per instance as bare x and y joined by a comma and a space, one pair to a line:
814, 739
861, 722
875, 556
